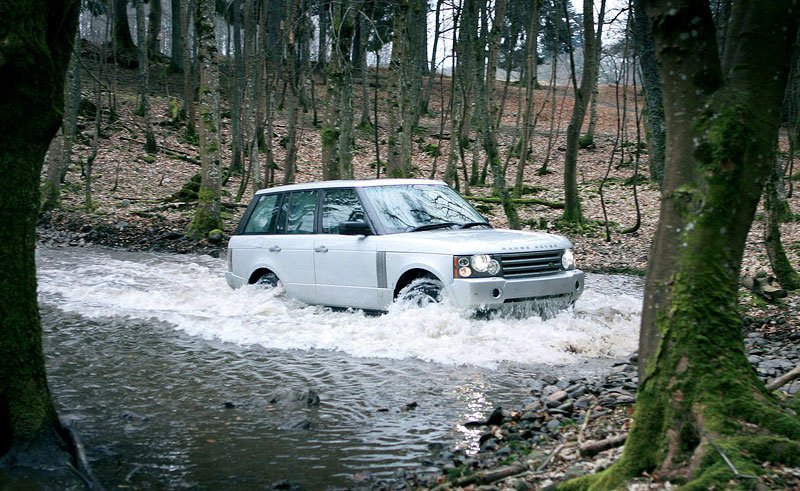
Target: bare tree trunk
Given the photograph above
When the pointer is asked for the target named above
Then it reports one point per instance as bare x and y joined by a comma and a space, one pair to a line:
528, 119
188, 70
654, 99
144, 80
154, 29
572, 202
123, 41
207, 215
176, 52
426, 94
238, 84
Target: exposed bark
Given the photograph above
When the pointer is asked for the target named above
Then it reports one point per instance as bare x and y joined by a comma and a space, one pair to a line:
237, 84
123, 41
154, 29
572, 211
60, 155
406, 85
337, 129
188, 70
292, 80
144, 79
775, 211
698, 394
207, 215
176, 53
654, 100
34, 57
528, 117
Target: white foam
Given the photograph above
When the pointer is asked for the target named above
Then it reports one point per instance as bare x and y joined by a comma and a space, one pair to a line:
190, 293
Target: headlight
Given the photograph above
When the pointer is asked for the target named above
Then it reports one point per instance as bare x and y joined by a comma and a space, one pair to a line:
480, 262
568, 259
481, 265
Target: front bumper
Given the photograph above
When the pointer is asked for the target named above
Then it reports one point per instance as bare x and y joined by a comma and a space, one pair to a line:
494, 292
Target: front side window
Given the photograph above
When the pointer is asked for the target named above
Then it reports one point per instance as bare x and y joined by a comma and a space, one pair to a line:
301, 212
264, 216
340, 205
406, 207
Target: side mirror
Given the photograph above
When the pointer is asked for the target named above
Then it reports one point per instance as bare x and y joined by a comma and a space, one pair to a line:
354, 228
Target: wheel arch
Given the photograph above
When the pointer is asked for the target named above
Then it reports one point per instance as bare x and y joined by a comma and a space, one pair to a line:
412, 274
258, 273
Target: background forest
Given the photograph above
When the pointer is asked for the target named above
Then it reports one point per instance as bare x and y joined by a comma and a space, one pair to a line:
175, 114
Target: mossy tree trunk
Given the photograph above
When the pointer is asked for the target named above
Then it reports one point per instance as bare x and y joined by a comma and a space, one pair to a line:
189, 111
207, 215
654, 101
775, 211
338, 87
486, 118
61, 153
34, 55
698, 395
572, 200
463, 91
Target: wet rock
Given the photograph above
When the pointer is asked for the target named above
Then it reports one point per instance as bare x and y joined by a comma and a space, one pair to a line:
409, 406
301, 424
558, 396
309, 397
496, 418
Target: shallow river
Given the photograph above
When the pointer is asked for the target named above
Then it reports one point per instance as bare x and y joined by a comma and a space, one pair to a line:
176, 381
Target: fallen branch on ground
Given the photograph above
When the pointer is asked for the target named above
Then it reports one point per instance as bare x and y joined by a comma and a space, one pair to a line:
484, 477
784, 379
519, 201
594, 447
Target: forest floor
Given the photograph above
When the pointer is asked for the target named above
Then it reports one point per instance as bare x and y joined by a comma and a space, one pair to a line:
133, 204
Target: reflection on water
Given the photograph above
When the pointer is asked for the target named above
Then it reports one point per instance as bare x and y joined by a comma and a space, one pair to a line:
177, 381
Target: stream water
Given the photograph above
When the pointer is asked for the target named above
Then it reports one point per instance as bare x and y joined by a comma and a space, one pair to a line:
176, 381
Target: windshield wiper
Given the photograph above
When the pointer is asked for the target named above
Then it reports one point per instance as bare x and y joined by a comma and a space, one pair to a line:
432, 226
474, 224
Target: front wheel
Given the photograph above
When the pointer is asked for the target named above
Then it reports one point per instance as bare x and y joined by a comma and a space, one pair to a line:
422, 292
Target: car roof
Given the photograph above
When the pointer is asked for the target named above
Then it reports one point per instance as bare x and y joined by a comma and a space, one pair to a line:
356, 183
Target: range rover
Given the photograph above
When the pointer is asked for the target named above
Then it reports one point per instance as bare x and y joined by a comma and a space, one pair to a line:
367, 243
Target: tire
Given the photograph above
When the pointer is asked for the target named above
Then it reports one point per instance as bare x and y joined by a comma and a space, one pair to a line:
268, 280
421, 292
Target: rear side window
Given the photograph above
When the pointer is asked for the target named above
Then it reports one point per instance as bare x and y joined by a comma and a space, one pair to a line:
264, 215
340, 205
302, 212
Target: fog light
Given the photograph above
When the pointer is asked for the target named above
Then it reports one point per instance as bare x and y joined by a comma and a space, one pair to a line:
496, 293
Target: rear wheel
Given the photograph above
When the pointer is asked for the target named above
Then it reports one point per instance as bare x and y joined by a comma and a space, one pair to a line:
421, 292
268, 280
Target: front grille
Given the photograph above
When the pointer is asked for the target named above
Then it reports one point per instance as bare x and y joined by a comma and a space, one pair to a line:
525, 264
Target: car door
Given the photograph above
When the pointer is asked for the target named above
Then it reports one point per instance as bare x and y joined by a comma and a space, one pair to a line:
345, 265
291, 248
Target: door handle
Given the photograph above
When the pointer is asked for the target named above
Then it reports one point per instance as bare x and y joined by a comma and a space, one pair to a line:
274, 249
321, 249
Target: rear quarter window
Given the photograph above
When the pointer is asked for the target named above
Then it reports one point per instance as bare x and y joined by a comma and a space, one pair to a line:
264, 216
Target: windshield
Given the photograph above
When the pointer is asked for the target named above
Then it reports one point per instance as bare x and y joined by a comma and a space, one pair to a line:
409, 207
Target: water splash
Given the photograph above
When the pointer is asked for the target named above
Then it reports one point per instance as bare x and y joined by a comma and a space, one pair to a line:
190, 293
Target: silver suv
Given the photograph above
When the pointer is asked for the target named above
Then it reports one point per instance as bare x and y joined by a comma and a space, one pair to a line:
365, 244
